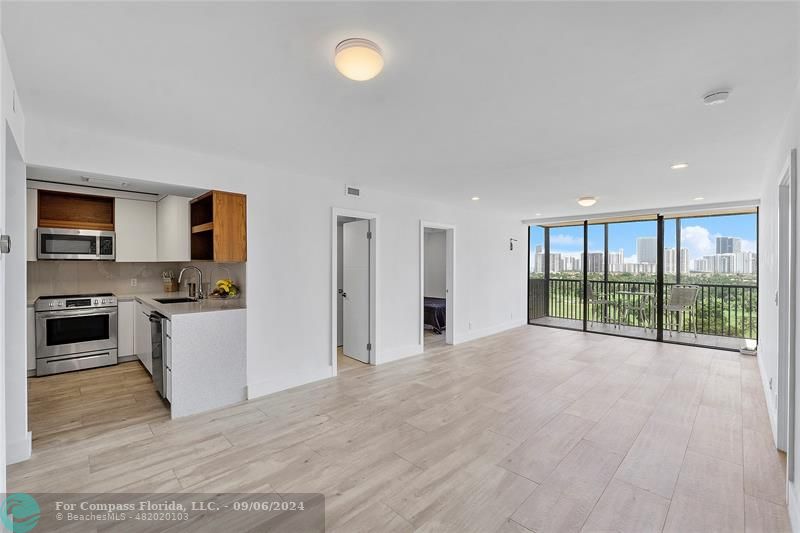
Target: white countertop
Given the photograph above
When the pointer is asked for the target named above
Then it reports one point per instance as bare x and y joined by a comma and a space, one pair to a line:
168, 310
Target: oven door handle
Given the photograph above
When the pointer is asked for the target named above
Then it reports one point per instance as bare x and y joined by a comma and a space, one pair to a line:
66, 314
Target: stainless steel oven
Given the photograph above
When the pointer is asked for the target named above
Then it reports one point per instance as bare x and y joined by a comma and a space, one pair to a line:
74, 332
58, 243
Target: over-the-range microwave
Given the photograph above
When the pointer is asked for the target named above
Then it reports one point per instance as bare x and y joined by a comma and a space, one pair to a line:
81, 244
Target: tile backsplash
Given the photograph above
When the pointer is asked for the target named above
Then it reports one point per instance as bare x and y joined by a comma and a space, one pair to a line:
78, 277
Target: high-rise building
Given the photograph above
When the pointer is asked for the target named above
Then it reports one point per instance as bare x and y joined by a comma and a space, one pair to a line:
538, 260
646, 250
729, 245
616, 261
555, 262
596, 262
670, 260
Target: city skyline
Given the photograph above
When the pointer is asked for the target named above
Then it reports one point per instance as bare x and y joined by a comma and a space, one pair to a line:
722, 244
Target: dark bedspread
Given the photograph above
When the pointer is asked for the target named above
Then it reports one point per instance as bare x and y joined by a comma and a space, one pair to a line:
436, 313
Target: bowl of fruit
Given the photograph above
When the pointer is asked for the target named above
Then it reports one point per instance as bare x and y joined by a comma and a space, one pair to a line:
225, 289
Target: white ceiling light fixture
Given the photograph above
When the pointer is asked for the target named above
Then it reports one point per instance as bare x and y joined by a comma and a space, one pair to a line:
679, 166
716, 97
358, 59
699, 199
587, 201
476, 198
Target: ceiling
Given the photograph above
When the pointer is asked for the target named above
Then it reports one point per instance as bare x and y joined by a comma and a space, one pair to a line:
527, 105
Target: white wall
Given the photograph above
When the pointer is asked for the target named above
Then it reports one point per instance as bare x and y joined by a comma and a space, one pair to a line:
289, 251
13, 411
768, 282
435, 264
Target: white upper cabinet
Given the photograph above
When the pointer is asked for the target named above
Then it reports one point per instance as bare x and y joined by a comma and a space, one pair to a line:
173, 229
135, 226
32, 208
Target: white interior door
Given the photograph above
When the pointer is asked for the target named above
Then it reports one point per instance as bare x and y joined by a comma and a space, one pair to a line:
355, 285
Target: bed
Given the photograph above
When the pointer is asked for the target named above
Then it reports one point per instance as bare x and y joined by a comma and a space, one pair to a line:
436, 313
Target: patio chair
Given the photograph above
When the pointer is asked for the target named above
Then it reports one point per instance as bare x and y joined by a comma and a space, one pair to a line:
682, 299
600, 302
642, 307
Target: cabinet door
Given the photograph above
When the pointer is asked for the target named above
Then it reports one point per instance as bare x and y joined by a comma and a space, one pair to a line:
32, 216
135, 226
172, 224
126, 313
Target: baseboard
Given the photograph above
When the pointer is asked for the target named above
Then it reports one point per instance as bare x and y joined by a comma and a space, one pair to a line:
471, 335
772, 409
264, 388
19, 450
393, 354
794, 509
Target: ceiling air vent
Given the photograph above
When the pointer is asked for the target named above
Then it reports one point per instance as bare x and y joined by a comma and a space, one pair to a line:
349, 190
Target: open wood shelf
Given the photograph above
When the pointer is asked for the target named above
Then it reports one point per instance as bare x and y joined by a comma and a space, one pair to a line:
219, 227
75, 211
208, 226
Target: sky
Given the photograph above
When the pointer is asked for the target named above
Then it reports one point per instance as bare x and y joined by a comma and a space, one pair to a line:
698, 235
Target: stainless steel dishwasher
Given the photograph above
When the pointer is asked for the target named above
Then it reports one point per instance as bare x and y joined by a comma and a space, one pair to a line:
158, 331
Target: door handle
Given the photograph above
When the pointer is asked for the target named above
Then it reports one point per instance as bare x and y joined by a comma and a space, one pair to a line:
5, 244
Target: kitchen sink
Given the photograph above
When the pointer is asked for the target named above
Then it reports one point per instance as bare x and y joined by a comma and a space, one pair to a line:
181, 300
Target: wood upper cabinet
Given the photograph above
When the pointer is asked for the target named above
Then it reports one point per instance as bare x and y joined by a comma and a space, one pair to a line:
58, 209
219, 227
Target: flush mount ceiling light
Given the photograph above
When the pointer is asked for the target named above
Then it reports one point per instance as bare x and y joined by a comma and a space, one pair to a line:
587, 201
716, 97
679, 166
699, 198
476, 198
358, 59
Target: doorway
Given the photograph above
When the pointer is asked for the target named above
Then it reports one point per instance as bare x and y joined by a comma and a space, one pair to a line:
787, 301
354, 290
437, 258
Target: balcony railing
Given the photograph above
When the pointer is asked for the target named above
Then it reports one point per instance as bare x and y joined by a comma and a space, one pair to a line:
721, 310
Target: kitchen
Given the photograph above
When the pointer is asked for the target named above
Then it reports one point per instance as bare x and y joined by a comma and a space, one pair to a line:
136, 290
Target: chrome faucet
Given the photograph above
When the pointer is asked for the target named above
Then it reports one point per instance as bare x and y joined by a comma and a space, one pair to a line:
200, 295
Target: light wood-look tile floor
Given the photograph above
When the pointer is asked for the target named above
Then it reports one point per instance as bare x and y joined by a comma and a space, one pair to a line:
534, 429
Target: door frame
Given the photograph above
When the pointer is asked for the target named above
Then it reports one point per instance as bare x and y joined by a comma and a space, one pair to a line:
374, 296
787, 314
450, 261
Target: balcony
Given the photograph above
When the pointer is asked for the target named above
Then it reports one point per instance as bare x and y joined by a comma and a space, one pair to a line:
726, 314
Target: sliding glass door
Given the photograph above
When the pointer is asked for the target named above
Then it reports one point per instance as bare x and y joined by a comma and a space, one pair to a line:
690, 280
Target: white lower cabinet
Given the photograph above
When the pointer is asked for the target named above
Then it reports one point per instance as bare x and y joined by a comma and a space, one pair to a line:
126, 315
142, 343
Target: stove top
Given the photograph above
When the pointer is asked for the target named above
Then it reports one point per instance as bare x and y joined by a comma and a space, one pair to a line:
68, 302
91, 295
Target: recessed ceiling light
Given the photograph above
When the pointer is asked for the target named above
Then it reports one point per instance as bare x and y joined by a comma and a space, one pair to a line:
587, 201
679, 166
538, 214
358, 59
476, 198
697, 199
716, 97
